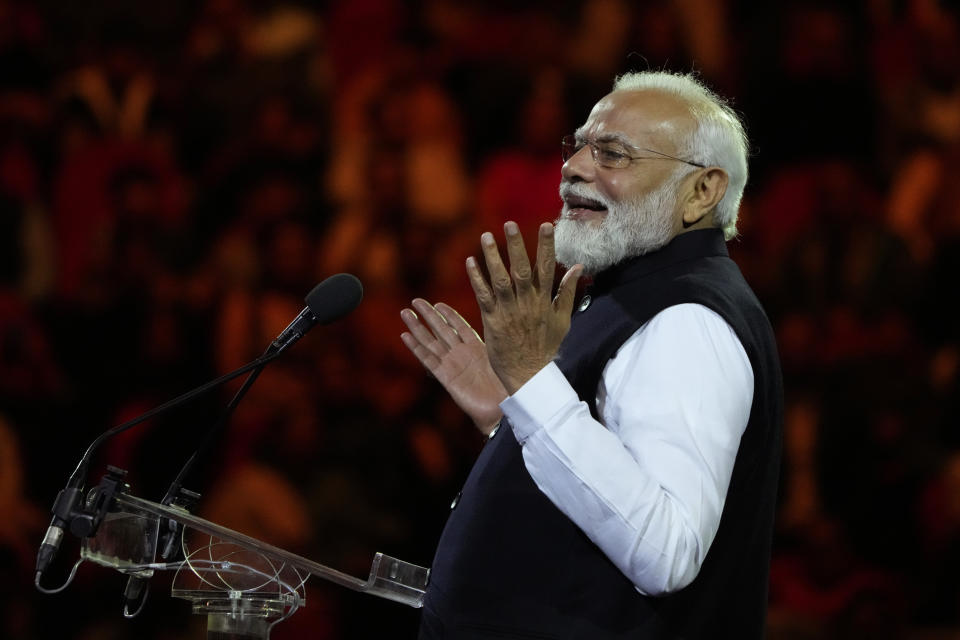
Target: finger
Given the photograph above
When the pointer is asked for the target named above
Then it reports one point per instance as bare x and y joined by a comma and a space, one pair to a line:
546, 259
437, 323
422, 334
500, 279
519, 262
455, 320
563, 303
485, 298
424, 355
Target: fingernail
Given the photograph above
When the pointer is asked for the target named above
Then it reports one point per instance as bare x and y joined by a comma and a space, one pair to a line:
511, 228
471, 262
487, 239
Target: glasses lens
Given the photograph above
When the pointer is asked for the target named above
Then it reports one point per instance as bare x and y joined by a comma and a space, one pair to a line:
568, 147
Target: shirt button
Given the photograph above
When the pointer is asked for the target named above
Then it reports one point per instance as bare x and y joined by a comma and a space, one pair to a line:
456, 500
585, 303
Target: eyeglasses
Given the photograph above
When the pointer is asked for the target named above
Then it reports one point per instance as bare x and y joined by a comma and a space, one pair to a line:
611, 155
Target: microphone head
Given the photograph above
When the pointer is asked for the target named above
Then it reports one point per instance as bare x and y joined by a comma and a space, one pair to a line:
335, 297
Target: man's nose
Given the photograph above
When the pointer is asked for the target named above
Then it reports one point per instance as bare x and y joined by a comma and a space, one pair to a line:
579, 167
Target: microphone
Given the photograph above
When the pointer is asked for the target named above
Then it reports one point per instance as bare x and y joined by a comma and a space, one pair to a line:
330, 300
63, 506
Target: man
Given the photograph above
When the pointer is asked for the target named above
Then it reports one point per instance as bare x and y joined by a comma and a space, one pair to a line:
629, 489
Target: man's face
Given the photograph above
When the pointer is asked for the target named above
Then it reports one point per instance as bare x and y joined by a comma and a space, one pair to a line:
610, 214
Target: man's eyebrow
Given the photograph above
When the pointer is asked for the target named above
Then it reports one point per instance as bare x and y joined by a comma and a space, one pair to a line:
619, 138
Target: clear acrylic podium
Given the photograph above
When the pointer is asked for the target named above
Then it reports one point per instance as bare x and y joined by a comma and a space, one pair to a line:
243, 586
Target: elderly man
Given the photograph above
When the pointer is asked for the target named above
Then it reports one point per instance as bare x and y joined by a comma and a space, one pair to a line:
628, 490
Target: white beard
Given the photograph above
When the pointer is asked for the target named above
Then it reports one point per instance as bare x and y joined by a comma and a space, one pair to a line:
631, 228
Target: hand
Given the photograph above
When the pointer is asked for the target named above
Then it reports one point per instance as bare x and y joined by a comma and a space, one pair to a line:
522, 324
456, 356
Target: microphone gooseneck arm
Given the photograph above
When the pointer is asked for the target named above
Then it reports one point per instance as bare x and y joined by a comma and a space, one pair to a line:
69, 498
218, 426
77, 478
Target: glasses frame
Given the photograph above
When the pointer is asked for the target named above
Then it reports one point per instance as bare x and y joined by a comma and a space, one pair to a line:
570, 146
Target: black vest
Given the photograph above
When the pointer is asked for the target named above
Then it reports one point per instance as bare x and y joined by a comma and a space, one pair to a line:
510, 565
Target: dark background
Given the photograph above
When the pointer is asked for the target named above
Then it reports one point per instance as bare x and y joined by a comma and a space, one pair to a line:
175, 176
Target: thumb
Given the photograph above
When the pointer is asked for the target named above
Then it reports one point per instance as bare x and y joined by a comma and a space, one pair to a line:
563, 302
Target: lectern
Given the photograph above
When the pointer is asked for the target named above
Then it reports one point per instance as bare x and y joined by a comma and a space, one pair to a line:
242, 585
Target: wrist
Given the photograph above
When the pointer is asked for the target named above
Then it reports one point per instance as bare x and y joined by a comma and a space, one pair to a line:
487, 426
514, 380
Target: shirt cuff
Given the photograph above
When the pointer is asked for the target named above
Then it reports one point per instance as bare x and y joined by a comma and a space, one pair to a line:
540, 399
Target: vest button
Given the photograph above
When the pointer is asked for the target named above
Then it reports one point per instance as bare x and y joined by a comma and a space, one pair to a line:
456, 500
585, 303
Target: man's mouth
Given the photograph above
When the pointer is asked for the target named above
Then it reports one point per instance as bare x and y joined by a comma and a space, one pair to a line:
583, 207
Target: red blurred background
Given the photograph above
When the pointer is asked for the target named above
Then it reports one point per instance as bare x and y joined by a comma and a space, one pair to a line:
176, 176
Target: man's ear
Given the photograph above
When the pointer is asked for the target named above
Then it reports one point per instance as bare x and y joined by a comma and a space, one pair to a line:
708, 189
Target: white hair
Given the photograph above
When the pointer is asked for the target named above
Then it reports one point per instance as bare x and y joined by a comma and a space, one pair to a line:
719, 139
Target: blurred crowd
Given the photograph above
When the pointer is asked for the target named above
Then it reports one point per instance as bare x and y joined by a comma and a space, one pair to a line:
176, 176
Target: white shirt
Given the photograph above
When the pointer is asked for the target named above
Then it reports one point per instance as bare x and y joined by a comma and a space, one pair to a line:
647, 485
